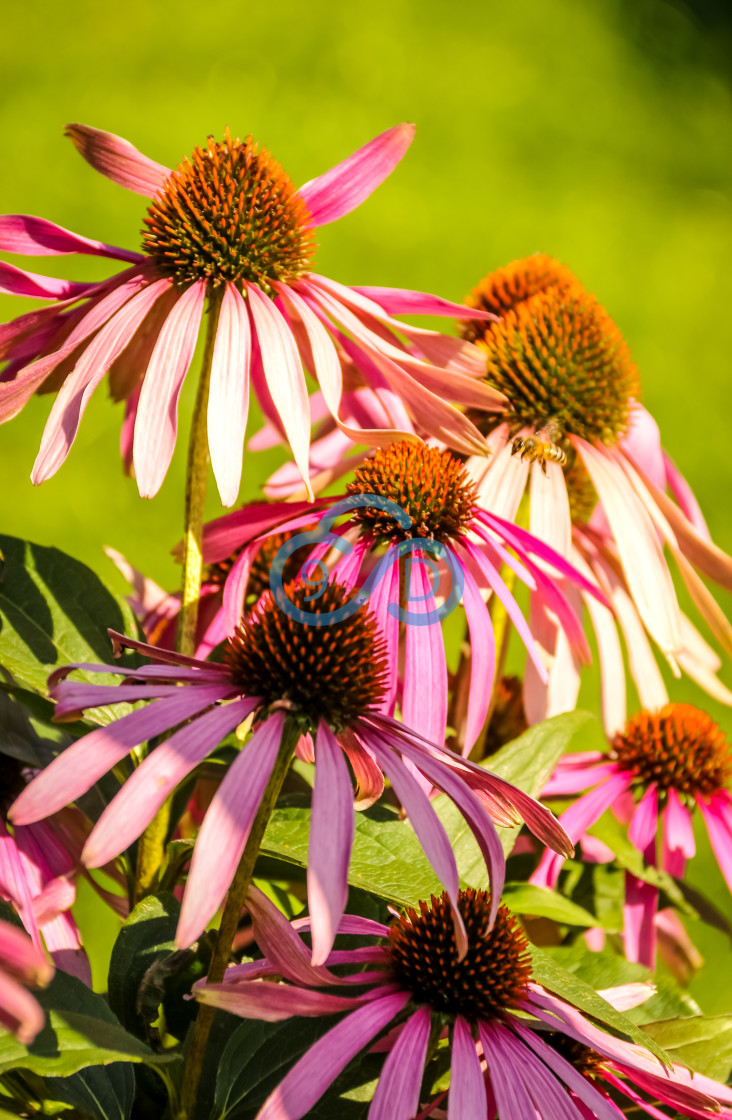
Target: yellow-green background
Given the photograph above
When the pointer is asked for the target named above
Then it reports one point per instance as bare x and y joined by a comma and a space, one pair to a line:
599, 131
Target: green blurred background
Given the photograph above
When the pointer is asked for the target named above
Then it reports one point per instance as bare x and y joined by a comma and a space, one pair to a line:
599, 132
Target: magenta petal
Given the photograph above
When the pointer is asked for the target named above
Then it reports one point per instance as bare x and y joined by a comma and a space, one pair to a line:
278, 939
331, 838
507, 1078
118, 159
718, 819
424, 701
482, 659
284, 375
677, 826
599, 1105
466, 1099
17, 282
271, 1002
35, 237
643, 826
225, 830
639, 911
350, 183
318, 1068
228, 402
130, 812
403, 301
397, 1092
156, 425
83, 763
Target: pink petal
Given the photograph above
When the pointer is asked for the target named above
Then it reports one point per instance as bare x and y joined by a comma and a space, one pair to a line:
684, 495
225, 830
642, 831
397, 1092
82, 764
284, 375
677, 825
501, 480
228, 533
482, 659
132, 809
403, 301
228, 402
20, 957
579, 1085
36, 237
156, 425
368, 776
20, 1012
512, 1097
641, 903
466, 1099
350, 183
277, 938
318, 1068
118, 159
15, 282
624, 997
718, 819
331, 838
424, 701
385, 594
271, 1002
75, 393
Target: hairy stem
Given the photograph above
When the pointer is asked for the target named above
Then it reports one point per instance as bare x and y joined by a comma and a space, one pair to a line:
230, 920
151, 848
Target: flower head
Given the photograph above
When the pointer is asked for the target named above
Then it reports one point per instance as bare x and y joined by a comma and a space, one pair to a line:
515, 1049
661, 767
320, 686
574, 432
227, 225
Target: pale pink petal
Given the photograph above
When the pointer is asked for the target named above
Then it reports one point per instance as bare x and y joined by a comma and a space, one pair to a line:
225, 829
642, 445
403, 301
718, 819
639, 911
149, 786
284, 374
20, 1012
318, 1068
271, 1002
642, 831
640, 552
15, 886
397, 1091
705, 603
466, 1099
501, 480
684, 495
350, 182
677, 826
228, 402
118, 159
156, 425
75, 393
331, 838
612, 665
82, 764
549, 517
424, 701
36, 237
624, 997
16, 282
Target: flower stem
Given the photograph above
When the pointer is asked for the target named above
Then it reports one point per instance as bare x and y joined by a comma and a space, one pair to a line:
151, 848
230, 919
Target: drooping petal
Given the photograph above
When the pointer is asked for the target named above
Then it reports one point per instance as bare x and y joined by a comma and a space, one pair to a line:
403, 301
424, 700
318, 1068
642, 831
75, 393
154, 780
684, 495
156, 425
277, 938
385, 594
397, 1092
225, 829
677, 826
21, 957
36, 237
119, 160
718, 819
228, 401
482, 659
284, 374
20, 1012
350, 182
639, 911
272, 1002
82, 764
577, 1083
331, 838
16, 282
466, 1098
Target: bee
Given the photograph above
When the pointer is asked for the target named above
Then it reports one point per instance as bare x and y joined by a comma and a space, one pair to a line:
541, 448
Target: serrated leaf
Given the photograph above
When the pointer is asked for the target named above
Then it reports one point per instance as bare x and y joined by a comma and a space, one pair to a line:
147, 936
568, 986
80, 1031
539, 902
54, 611
703, 1043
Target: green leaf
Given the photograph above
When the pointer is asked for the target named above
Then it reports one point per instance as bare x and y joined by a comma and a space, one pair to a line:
147, 937
106, 1093
703, 1043
528, 762
613, 833
547, 972
539, 902
80, 1031
54, 611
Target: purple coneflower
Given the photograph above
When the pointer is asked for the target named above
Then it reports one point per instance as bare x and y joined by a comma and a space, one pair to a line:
21, 960
228, 224
327, 683
517, 1051
658, 770
597, 476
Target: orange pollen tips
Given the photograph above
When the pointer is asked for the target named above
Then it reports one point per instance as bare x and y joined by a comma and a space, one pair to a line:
432, 486
492, 978
556, 353
680, 747
336, 672
230, 214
